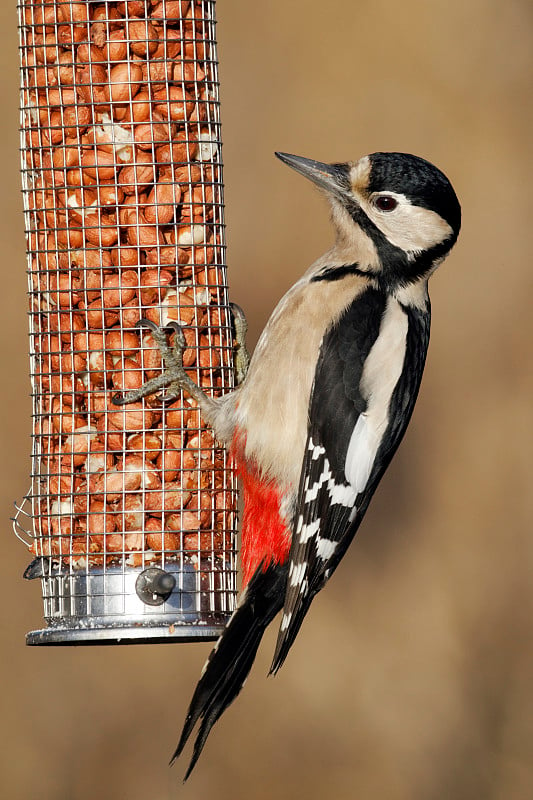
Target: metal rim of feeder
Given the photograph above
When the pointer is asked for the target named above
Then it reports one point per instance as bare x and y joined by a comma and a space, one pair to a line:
123, 201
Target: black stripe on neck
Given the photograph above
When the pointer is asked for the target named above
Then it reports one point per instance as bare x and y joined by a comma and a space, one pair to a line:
398, 268
336, 273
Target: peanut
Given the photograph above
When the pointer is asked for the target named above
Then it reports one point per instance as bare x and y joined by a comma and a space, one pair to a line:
143, 37
78, 444
162, 540
124, 81
161, 203
98, 164
169, 463
138, 174
128, 377
116, 47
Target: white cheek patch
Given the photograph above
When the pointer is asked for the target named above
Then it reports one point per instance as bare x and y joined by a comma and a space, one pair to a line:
381, 371
411, 228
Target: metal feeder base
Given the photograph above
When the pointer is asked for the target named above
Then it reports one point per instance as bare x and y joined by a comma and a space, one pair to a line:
104, 607
124, 635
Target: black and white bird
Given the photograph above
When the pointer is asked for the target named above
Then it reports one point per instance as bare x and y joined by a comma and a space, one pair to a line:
325, 402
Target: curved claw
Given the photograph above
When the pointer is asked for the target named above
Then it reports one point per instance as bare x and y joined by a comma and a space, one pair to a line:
146, 323
174, 326
119, 400
178, 332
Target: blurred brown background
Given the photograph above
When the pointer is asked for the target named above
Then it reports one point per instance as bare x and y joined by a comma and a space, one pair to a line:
411, 679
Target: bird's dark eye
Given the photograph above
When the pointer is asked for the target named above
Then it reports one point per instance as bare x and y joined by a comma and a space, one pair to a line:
385, 202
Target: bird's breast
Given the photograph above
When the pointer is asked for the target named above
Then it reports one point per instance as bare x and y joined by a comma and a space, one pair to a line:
273, 403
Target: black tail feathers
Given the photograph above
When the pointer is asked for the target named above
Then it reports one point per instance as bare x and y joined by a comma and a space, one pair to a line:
292, 619
232, 657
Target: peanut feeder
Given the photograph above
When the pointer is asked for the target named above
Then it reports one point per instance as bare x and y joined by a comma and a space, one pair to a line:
131, 512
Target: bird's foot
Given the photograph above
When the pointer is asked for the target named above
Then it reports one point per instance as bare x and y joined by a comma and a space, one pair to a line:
174, 378
241, 358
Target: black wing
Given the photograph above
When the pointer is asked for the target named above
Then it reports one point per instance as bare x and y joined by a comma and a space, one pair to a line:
347, 450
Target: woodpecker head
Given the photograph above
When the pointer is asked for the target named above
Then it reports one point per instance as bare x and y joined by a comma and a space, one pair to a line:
396, 215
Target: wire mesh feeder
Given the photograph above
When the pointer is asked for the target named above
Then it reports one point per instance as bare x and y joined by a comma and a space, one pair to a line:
132, 509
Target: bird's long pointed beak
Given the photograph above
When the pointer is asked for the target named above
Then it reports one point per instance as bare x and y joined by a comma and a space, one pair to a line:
331, 177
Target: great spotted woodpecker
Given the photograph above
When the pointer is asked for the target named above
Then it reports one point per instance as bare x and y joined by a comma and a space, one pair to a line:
325, 402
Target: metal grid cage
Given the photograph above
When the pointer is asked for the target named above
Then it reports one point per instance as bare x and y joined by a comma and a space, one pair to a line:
132, 509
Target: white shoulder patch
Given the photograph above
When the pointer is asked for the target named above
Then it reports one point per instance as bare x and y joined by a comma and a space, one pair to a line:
381, 372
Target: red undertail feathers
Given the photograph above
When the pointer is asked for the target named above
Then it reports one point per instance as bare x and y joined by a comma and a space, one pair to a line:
265, 537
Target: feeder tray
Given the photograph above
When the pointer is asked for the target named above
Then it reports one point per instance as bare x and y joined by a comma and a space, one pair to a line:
131, 514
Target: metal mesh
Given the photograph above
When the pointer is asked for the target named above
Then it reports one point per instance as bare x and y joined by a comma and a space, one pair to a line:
123, 199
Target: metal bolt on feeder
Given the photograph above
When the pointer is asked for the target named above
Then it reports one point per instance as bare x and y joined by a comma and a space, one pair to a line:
131, 514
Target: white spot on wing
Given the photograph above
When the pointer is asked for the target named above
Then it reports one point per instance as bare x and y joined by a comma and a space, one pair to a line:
342, 494
325, 548
285, 622
309, 531
317, 450
312, 493
298, 573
